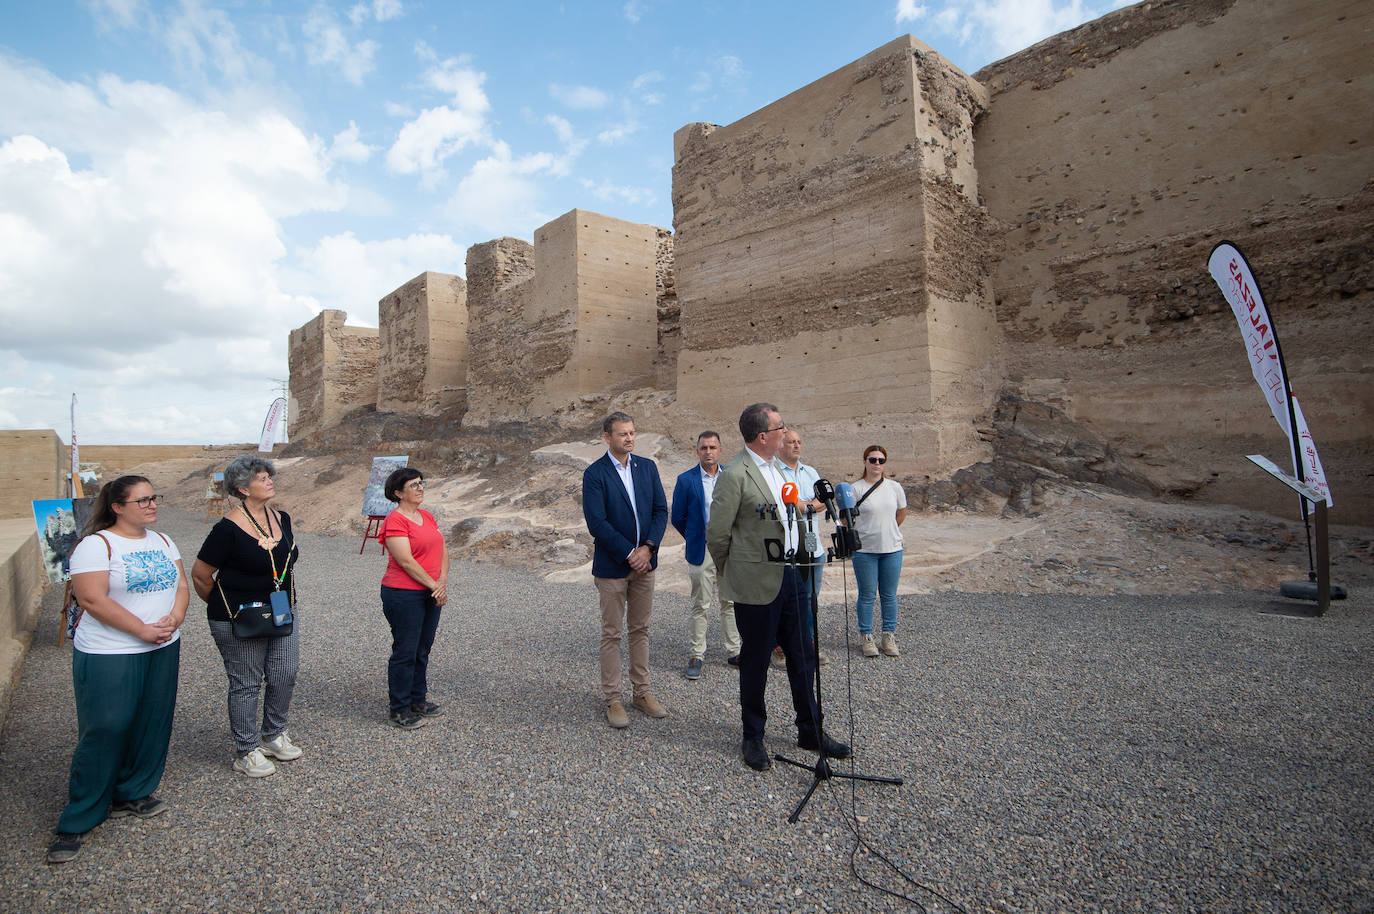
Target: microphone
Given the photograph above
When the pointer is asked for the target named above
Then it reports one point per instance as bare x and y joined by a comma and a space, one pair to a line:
825, 493
845, 538
844, 499
789, 498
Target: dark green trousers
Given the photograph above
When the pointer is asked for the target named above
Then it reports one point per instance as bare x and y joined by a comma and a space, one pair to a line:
124, 705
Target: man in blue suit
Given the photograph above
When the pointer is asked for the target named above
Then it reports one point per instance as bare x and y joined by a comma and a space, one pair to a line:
626, 514
691, 511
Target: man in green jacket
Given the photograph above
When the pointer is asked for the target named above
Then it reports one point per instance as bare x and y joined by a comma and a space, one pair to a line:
751, 537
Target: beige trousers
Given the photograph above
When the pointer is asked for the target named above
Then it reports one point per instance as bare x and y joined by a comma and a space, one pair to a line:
631, 601
704, 596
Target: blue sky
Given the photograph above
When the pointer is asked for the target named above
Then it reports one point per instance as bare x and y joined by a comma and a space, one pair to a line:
181, 184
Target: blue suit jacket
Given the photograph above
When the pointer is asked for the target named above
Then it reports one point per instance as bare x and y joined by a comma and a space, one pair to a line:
689, 514
606, 508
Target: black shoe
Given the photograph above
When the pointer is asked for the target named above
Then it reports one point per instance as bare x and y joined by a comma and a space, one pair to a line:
64, 848
406, 720
733, 661
145, 808
755, 756
833, 748
426, 709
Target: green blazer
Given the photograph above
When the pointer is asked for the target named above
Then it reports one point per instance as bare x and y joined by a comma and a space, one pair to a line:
735, 533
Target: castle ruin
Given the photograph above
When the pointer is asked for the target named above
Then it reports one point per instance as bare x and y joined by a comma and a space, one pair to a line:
903, 252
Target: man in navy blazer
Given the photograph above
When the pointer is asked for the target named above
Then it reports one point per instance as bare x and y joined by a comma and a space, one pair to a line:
691, 510
627, 514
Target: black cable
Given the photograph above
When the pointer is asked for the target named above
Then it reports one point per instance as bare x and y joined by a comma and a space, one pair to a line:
851, 819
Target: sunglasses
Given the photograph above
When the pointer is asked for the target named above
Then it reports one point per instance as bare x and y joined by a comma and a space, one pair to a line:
877, 460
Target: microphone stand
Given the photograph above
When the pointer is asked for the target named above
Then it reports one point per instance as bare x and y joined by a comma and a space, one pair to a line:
820, 770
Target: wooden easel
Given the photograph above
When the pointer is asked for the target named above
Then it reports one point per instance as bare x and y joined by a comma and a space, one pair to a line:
374, 529
214, 505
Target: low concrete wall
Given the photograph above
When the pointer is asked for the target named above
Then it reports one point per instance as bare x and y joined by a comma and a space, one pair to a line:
22, 584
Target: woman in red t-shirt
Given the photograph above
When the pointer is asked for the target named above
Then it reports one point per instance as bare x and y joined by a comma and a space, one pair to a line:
414, 590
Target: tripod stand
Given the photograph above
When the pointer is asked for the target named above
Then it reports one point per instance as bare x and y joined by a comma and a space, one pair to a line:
821, 770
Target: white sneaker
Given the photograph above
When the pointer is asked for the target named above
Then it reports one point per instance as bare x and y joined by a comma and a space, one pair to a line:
281, 748
890, 644
254, 764
869, 648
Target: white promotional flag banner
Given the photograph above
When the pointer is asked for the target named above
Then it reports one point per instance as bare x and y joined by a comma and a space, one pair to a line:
269, 425
1312, 472
76, 464
1232, 274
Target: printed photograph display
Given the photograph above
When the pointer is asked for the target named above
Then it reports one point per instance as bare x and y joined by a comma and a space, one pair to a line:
374, 500
215, 487
58, 534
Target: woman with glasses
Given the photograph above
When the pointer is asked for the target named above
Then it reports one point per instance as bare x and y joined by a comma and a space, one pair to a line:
414, 590
248, 557
878, 563
131, 589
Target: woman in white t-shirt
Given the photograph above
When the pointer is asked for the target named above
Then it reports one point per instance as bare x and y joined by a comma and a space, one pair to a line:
131, 587
878, 563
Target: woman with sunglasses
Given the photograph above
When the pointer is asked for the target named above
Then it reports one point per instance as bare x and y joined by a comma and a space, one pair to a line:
878, 563
414, 590
247, 557
131, 588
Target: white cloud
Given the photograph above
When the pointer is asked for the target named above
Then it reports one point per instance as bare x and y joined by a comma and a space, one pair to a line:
617, 133
351, 275
397, 109
435, 134
348, 148
381, 10
424, 52
618, 193
499, 197
579, 98
909, 11
1000, 27
722, 72
166, 242
561, 127
641, 85
327, 45
634, 10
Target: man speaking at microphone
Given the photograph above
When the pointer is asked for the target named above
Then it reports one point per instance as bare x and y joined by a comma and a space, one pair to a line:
750, 537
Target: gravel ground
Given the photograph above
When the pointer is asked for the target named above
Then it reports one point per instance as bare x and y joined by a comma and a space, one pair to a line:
1060, 754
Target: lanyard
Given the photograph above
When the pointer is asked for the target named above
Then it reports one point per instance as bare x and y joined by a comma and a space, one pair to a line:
277, 579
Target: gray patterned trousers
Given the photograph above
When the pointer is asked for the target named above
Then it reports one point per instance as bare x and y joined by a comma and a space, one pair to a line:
249, 662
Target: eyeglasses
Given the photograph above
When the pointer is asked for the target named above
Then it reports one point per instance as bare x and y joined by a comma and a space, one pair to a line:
414, 484
144, 502
780, 428
878, 460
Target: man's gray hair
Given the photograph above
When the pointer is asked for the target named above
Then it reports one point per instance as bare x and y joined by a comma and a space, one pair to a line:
609, 422
241, 472
754, 420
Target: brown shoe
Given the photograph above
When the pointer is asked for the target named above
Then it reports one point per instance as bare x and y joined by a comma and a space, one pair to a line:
616, 716
650, 706
890, 644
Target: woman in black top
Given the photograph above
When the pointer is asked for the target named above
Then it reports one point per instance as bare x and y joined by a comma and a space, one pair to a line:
248, 556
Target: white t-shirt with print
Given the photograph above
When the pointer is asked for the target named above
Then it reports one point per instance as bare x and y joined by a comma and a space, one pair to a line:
143, 579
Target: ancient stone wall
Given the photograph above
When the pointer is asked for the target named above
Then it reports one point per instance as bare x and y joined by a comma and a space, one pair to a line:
31, 467
573, 315
831, 257
333, 370
669, 333
423, 339
1118, 154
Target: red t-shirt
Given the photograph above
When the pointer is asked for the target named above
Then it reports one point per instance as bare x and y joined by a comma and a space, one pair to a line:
426, 544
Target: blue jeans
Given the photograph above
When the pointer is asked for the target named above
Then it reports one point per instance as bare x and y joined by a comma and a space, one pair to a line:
877, 571
414, 618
